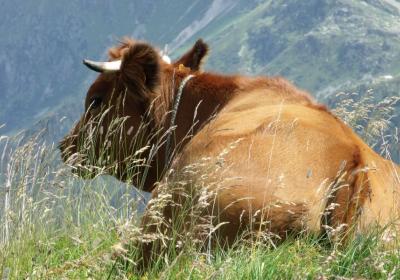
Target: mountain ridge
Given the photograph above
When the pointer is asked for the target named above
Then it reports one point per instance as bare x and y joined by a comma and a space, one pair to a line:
322, 46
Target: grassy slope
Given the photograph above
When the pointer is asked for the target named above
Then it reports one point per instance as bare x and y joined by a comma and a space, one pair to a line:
79, 243
87, 252
58, 226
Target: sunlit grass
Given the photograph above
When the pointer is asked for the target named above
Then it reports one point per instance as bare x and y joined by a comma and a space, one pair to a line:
54, 225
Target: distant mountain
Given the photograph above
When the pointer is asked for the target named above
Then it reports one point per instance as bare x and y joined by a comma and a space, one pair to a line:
43, 43
323, 46
318, 44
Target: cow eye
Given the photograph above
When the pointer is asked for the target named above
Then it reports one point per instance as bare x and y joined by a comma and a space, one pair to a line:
95, 102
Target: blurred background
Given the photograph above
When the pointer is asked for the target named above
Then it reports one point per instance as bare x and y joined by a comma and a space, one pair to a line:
323, 46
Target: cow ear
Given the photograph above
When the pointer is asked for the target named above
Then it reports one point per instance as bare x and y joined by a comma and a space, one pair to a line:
140, 69
193, 59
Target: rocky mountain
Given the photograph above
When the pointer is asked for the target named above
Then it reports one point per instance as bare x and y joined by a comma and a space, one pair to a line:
323, 46
44, 41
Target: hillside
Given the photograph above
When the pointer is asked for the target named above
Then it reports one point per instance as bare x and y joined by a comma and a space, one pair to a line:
321, 46
40, 59
317, 44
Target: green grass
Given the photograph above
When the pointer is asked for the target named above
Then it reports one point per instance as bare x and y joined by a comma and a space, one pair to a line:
54, 225
74, 253
60, 256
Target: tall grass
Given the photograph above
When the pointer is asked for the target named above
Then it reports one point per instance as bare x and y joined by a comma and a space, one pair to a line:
55, 225
53, 219
371, 119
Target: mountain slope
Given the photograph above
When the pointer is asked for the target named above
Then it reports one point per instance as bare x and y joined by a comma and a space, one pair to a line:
321, 45
316, 43
41, 54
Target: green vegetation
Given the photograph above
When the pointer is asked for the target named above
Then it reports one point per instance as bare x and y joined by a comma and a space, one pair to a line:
319, 45
91, 251
54, 225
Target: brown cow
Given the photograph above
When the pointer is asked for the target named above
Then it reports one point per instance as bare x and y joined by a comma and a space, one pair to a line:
279, 161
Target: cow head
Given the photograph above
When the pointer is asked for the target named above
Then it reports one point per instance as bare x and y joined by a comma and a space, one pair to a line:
116, 134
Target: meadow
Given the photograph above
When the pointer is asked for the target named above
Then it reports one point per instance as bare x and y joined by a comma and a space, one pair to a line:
55, 225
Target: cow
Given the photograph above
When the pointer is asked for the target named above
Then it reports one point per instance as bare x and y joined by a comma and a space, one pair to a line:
274, 159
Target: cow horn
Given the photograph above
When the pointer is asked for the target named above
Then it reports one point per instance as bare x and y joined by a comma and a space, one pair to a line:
111, 66
166, 58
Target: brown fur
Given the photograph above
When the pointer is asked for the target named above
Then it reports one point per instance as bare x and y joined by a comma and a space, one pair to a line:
266, 140
117, 52
194, 58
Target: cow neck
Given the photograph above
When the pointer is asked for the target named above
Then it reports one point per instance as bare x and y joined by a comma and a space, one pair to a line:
177, 100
